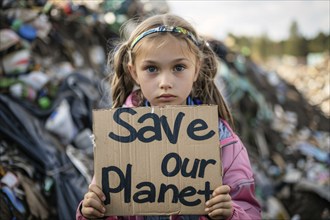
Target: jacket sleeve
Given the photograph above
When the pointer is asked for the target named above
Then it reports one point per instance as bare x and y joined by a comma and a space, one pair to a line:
237, 173
79, 216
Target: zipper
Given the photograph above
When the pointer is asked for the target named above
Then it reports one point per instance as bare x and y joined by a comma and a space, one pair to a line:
232, 142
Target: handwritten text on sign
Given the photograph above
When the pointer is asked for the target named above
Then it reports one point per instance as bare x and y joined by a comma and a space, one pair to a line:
157, 161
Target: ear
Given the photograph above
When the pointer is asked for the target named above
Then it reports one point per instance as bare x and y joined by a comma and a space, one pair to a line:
132, 71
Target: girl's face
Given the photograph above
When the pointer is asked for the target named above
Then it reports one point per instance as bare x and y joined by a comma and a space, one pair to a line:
165, 73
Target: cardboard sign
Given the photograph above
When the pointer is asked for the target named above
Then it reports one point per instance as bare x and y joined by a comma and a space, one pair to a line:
157, 161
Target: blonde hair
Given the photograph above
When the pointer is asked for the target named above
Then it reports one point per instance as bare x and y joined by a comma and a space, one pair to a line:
204, 88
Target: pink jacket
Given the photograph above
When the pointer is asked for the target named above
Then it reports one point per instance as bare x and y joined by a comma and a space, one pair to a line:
237, 173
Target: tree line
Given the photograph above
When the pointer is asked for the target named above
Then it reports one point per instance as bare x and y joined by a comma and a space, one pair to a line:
296, 44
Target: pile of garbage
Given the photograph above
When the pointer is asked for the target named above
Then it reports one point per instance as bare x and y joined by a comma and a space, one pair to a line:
54, 72
311, 79
287, 138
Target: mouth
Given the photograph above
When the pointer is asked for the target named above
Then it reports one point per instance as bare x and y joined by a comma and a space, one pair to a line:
166, 97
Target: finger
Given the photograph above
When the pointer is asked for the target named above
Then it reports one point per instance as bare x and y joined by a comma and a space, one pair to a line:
224, 189
92, 195
96, 204
218, 199
222, 205
90, 212
220, 213
97, 190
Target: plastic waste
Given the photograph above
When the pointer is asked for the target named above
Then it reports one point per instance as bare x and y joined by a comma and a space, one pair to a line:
42, 25
44, 102
16, 62
97, 55
26, 31
83, 140
61, 70
9, 179
13, 199
78, 163
6, 82
45, 154
310, 150
48, 185
60, 123
8, 38
20, 90
35, 79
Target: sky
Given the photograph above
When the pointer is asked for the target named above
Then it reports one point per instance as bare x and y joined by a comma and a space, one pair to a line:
217, 18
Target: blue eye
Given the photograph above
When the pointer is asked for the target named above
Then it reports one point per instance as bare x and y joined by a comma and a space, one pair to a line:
151, 69
179, 68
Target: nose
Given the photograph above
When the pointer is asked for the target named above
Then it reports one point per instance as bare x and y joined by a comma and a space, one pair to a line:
166, 81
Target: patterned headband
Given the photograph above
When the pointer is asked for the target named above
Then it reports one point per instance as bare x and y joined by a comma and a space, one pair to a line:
165, 28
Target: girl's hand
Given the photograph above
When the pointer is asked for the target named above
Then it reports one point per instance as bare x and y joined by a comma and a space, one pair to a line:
220, 206
92, 205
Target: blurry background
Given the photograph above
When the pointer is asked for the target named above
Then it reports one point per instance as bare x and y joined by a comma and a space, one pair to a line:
274, 72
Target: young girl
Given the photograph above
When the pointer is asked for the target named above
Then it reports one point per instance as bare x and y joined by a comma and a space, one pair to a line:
164, 62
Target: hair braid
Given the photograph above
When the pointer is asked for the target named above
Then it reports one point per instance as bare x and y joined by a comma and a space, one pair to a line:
205, 87
122, 82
